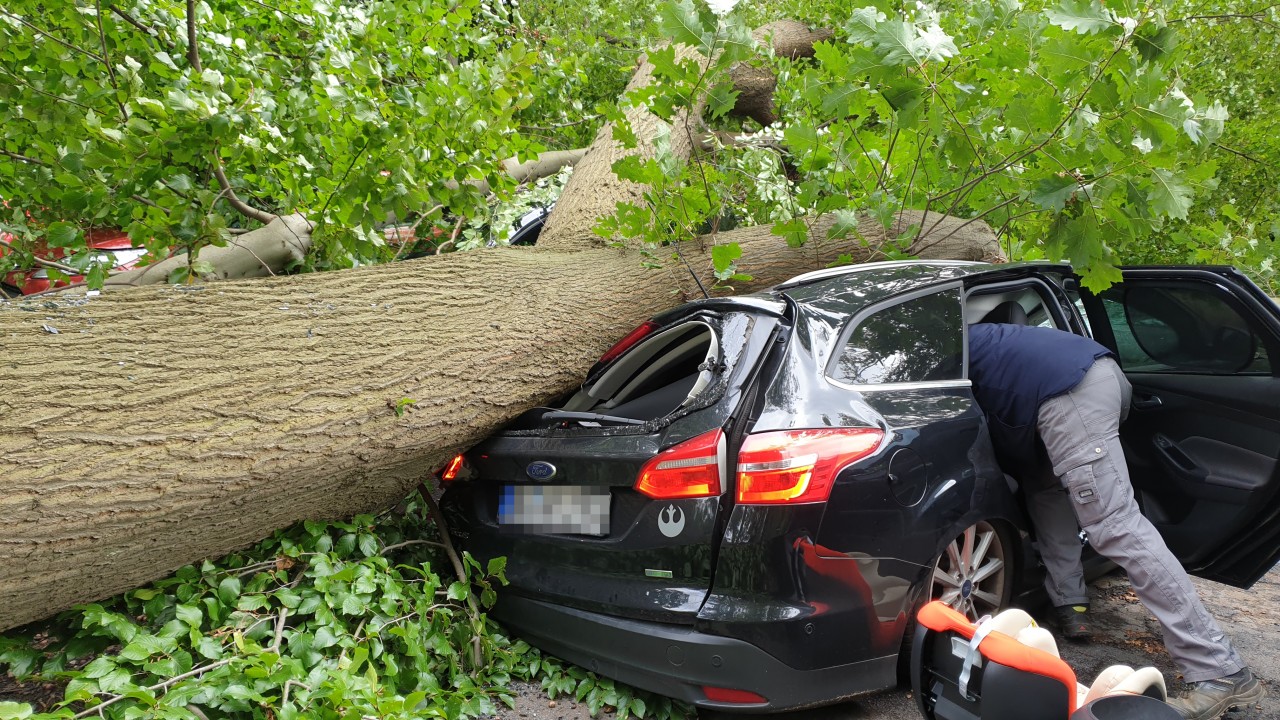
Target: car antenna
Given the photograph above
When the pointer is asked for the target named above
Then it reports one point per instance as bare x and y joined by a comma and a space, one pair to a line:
706, 295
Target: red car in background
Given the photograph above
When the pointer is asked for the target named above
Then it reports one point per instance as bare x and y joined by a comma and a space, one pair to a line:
111, 247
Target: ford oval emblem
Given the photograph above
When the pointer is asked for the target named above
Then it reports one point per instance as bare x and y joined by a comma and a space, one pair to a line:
540, 470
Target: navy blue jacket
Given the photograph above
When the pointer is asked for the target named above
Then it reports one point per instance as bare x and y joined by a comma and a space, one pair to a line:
1015, 368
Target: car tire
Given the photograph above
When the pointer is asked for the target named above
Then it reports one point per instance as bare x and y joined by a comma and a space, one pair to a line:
989, 546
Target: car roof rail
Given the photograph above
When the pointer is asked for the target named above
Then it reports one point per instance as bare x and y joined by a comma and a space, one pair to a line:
863, 267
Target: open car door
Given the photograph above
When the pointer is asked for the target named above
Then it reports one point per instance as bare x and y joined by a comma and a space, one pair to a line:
1201, 347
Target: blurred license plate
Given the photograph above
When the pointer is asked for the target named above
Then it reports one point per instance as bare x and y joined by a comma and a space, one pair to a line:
554, 509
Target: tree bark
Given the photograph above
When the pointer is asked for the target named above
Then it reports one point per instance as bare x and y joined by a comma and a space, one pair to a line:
167, 424
755, 85
594, 191
265, 251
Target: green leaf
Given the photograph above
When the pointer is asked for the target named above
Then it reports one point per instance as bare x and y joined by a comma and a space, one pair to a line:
896, 42
1168, 195
324, 638
794, 231
14, 711
1082, 16
458, 591
680, 22
189, 614
801, 139
846, 222
1053, 192
721, 99
368, 545
722, 256
62, 234
1155, 43
863, 24
229, 590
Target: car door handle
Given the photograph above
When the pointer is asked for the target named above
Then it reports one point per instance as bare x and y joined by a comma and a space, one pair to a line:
1146, 402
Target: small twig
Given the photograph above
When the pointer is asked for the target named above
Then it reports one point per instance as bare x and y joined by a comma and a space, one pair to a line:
134, 22
275, 645
354, 159
343, 655
47, 94
47, 263
473, 609
560, 126
399, 545
195, 672
284, 697
197, 712
413, 232
1241, 153
256, 568
24, 158
453, 236
111, 72
52, 37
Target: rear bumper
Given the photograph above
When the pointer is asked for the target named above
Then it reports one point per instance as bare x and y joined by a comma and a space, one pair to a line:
677, 661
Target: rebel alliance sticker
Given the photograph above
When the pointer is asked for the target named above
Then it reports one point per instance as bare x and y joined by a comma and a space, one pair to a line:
671, 521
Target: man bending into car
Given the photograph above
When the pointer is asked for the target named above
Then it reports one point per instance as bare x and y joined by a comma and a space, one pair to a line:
1068, 391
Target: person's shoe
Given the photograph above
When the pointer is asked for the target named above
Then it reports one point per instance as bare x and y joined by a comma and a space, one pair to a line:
1209, 699
1073, 621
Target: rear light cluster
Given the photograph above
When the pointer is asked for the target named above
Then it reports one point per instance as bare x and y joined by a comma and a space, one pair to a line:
688, 470
779, 467
799, 466
453, 469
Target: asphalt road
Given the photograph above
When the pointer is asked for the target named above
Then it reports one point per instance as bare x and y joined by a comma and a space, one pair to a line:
1126, 634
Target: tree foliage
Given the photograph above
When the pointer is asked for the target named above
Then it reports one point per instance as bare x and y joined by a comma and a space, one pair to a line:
1069, 128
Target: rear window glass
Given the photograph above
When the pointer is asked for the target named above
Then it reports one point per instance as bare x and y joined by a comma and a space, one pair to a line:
658, 376
917, 340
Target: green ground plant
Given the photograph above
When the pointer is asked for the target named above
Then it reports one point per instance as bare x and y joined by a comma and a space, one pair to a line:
341, 620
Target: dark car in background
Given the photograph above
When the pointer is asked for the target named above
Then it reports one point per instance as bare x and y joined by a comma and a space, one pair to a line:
748, 497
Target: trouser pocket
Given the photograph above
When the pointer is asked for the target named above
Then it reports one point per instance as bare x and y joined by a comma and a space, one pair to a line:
1098, 492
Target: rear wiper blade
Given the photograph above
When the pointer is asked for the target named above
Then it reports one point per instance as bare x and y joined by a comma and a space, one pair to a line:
589, 417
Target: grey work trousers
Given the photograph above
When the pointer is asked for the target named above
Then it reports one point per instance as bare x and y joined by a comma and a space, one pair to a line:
1081, 431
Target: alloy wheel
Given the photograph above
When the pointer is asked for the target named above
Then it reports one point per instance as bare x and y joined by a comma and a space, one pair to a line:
971, 574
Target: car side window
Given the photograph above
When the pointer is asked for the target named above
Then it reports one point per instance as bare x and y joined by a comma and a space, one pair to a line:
1182, 329
917, 340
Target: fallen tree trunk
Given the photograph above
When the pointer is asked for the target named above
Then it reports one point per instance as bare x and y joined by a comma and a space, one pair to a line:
167, 424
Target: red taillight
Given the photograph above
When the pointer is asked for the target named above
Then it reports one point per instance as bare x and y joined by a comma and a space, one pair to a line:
799, 466
452, 469
729, 695
625, 343
690, 469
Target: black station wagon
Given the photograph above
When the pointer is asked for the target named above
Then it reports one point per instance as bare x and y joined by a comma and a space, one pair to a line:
748, 498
